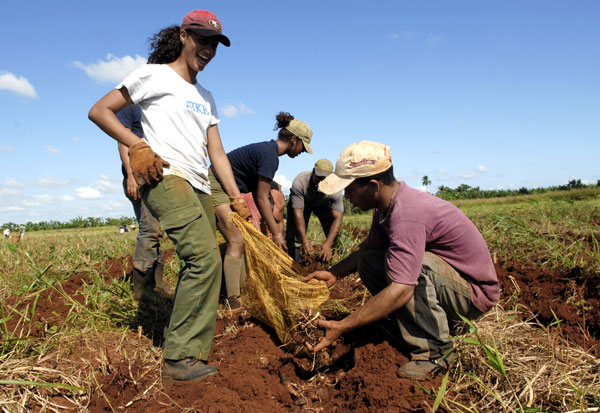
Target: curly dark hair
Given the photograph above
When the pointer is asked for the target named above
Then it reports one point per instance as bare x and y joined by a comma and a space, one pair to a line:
165, 46
283, 119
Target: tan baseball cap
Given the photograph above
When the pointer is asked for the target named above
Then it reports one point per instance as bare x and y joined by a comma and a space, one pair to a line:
323, 167
302, 131
359, 160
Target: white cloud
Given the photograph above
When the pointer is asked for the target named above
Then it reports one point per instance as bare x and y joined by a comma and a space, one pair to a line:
113, 69
44, 198
88, 193
12, 208
17, 84
13, 182
481, 168
233, 111
440, 171
7, 149
76, 139
106, 185
29, 204
469, 175
394, 36
51, 182
433, 39
410, 34
37, 201
52, 149
66, 198
111, 206
285, 184
6, 193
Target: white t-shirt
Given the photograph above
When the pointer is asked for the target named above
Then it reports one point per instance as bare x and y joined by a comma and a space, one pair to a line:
176, 116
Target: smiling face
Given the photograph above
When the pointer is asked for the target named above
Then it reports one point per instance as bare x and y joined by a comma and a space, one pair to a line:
197, 50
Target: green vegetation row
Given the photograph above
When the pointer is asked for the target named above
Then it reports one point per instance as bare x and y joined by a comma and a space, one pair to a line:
465, 191
78, 222
461, 192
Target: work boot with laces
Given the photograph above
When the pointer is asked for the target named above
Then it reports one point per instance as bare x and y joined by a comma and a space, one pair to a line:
426, 369
187, 369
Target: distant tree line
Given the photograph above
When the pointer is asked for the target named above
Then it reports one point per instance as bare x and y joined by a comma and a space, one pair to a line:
78, 222
464, 191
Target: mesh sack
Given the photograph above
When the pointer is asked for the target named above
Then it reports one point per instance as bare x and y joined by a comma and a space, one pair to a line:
274, 291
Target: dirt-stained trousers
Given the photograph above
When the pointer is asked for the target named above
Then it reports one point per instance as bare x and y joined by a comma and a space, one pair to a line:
440, 295
187, 216
147, 251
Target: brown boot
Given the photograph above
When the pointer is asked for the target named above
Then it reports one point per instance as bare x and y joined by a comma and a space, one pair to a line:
159, 270
426, 369
187, 369
143, 285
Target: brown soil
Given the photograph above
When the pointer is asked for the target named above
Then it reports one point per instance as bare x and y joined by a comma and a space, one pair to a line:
256, 374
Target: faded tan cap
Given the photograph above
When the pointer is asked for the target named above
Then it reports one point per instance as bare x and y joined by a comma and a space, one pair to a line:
323, 167
302, 131
359, 160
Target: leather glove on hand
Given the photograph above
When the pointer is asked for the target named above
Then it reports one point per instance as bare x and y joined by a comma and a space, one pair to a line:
239, 206
145, 163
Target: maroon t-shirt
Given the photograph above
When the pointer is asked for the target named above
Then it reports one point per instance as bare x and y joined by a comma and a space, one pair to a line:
417, 222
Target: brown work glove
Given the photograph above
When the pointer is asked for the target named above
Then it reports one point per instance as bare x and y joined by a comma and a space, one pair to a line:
238, 205
145, 163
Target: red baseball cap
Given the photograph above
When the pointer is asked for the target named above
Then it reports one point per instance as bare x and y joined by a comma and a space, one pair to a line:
205, 23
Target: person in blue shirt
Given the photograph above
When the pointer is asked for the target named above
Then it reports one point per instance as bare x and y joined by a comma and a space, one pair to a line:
254, 168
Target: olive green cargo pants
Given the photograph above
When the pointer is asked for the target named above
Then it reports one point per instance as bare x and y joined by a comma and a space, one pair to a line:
187, 216
425, 322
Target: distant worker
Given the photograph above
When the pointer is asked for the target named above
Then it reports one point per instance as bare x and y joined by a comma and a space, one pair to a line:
423, 261
148, 267
254, 168
306, 199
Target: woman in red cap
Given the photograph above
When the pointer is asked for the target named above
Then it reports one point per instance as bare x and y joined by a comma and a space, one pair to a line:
179, 119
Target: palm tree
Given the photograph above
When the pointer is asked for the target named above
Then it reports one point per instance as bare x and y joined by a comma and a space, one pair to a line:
426, 182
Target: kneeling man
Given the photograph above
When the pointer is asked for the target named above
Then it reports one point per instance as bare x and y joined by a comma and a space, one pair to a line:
423, 261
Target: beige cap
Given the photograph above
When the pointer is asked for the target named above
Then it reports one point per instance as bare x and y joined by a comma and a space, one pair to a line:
303, 131
323, 167
359, 160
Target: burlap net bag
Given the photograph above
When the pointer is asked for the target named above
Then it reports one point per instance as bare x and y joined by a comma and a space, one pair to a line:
274, 291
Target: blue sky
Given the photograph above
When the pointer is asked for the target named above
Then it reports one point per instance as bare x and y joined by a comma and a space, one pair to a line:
495, 94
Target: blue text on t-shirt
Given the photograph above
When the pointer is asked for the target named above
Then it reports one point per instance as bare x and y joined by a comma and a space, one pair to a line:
197, 107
